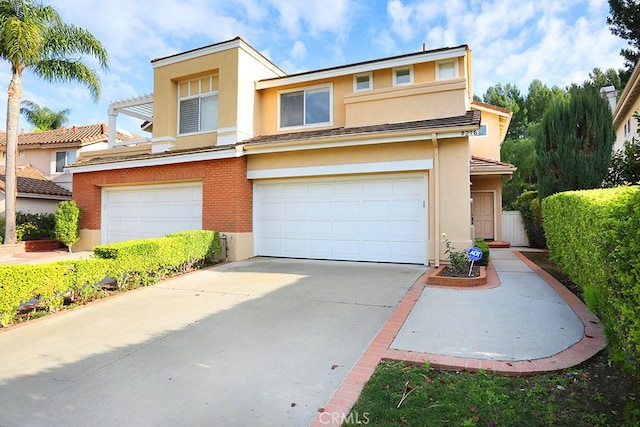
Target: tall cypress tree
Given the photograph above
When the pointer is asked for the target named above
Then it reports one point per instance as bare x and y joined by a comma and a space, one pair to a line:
573, 147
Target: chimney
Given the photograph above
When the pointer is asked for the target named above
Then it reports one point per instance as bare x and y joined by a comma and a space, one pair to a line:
105, 129
74, 129
609, 93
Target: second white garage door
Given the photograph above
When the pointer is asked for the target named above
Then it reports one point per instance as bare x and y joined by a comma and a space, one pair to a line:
370, 218
150, 211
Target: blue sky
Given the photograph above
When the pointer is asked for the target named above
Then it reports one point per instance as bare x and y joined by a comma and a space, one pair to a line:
513, 41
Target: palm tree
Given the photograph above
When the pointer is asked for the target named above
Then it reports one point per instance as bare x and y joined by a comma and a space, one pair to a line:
43, 118
33, 37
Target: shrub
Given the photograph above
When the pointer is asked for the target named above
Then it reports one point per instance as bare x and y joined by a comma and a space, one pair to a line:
67, 223
143, 262
594, 237
529, 206
130, 264
30, 226
484, 261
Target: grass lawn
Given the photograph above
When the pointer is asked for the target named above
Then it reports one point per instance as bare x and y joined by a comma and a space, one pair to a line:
595, 393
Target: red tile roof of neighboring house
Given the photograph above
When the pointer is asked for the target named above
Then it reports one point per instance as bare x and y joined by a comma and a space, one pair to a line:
72, 136
481, 165
32, 181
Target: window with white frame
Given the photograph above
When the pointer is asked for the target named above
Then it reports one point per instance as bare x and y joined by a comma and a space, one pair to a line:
447, 69
362, 82
198, 105
305, 107
64, 158
402, 76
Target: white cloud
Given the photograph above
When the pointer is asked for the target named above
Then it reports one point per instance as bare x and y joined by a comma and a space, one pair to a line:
299, 50
401, 22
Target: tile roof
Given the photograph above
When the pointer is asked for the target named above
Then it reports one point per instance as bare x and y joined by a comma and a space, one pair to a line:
471, 118
481, 165
73, 136
32, 181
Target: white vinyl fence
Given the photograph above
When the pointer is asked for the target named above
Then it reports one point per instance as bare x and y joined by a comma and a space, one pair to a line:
513, 229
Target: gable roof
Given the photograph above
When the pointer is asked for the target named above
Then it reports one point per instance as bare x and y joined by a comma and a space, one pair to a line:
484, 166
74, 136
504, 116
628, 97
32, 181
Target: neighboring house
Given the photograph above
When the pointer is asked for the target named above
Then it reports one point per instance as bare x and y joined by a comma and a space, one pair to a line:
36, 193
51, 151
369, 161
624, 110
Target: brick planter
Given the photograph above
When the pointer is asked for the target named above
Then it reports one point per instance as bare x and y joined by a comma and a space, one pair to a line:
41, 245
435, 279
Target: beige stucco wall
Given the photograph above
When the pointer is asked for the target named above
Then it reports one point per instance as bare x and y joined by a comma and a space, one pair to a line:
40, 158
487, 146
343, 155
29, 205
165, 88
88, 239
419, 101
455, 196
628, 118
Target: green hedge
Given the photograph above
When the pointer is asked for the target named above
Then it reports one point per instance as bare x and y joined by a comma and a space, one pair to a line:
482, 244
594, 237
130, 264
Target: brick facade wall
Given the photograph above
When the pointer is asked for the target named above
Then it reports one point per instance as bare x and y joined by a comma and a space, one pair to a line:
227, 199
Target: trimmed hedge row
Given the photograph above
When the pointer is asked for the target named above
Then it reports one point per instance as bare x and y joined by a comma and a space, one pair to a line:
594, 237
130, 264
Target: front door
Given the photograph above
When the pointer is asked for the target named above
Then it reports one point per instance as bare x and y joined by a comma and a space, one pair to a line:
483, 214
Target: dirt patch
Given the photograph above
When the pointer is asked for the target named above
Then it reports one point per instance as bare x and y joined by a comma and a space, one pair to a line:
613, 390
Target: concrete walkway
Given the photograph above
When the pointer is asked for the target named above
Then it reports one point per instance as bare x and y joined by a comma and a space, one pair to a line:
522, 322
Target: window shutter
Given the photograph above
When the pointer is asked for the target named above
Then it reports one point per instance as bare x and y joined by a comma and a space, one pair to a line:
189, 112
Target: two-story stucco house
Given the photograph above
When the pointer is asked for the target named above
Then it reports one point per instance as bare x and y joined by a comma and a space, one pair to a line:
370, 161
624, 110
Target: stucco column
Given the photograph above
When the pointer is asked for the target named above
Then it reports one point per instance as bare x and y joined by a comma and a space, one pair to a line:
436, 198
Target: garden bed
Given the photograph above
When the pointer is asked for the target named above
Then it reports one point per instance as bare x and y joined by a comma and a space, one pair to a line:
441, 276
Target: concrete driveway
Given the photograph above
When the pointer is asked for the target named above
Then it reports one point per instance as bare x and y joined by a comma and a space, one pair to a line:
259, 342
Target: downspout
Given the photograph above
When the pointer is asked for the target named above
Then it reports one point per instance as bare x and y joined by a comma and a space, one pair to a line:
436, 197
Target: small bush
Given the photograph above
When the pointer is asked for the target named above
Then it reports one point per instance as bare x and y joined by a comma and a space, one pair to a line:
484, 261
529, 206
30, 226
67, 223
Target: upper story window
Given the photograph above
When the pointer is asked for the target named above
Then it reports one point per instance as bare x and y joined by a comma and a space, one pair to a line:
305, 107
402, 76
362, 82
447, 69
198, 105
64, 158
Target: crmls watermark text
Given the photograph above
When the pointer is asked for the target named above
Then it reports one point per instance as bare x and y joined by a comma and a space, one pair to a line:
341, 418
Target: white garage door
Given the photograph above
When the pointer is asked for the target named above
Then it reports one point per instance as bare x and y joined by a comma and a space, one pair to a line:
372, 218
150, 211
